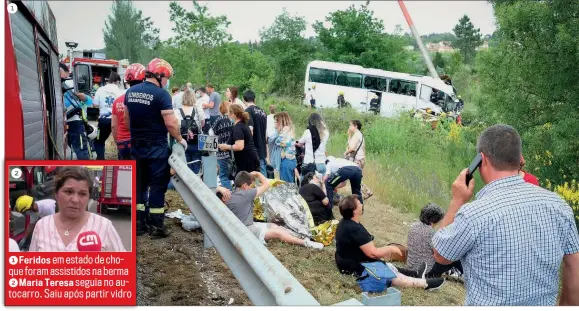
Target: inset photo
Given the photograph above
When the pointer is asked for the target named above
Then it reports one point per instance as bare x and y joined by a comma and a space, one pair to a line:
70, 208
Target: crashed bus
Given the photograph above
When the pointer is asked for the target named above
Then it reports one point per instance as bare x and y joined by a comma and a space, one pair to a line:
382, 92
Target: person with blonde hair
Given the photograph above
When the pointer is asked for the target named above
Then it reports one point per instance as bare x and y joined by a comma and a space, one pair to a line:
241, 141
284, 137
191, 119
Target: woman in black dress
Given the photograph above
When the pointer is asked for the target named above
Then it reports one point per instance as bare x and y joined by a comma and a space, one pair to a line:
241, 141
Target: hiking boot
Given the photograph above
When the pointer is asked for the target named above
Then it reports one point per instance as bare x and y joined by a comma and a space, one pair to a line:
158, 233
312, 244
434, 284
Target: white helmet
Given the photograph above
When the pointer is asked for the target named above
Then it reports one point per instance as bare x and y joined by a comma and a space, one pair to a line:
93, 135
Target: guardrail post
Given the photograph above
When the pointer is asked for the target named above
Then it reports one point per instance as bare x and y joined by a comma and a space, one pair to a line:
210, 180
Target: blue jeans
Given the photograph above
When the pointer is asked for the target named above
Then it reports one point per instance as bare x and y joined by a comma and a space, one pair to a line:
78, 140
286, 170
224, 173
192, 154
262, 167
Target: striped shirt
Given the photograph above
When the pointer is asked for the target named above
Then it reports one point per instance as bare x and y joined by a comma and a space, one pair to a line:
46, 238
511, 241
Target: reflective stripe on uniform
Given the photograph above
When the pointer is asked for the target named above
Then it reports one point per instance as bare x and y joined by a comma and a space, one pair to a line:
157, 210
140, 207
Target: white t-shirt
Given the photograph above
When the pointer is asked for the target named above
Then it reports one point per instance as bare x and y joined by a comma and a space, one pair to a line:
104, 98
199, 114
336, 164
13, 246
320, 153
204, 99
46, 207
270, 125
178, 100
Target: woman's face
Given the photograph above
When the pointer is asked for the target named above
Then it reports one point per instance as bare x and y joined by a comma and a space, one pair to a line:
352, 127
72, 198
228, 93
358, 210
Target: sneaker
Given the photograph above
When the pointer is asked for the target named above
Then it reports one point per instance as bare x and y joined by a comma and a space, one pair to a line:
434, 284
312, 244
422, 271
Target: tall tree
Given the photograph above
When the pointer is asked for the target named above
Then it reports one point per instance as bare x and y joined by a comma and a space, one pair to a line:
128, 34
468, 38
439, 62
283, 41
355, 36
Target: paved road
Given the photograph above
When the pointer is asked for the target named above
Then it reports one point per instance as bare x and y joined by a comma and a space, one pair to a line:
121, 220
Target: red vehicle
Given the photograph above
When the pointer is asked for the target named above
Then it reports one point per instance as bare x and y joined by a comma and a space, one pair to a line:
116, 188
34, 104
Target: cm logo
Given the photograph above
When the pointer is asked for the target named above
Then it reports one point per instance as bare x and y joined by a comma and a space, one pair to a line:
88, 240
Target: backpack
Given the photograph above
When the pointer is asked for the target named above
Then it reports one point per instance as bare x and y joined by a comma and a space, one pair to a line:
188, 123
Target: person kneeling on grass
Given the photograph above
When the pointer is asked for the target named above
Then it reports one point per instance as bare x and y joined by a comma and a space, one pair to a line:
240, 202
354, 246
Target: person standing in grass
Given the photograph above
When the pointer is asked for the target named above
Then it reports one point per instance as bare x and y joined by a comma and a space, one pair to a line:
514, 237
283, 137
314, 140
356, 150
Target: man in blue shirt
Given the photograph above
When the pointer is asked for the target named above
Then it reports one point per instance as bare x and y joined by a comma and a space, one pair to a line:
513, 238
75, 106
149, 115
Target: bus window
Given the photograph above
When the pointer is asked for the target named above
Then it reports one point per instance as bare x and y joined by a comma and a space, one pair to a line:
38, 175
322, 75
349, 79
426, 93
375, 83
407, 88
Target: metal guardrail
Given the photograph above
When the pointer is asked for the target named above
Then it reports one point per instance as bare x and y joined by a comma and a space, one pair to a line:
265, 280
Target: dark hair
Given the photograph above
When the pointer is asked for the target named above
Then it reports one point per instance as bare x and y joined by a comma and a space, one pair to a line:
308, 177
209, 86
431, 214
272, 109
238, 111
219, 195
348, 205
78, 173
203, 89
135, 82
174, 89
502, 145
316, 120
234, 92
243, 178
114, 77
63, 67
249, 96
357, 124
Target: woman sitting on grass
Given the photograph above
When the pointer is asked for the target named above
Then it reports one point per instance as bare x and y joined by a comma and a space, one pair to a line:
354, 246
313, 192
420, 248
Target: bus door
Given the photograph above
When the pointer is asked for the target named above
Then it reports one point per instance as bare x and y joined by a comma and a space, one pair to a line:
375, 87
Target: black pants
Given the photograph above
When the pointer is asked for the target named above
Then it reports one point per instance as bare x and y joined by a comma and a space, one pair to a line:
104, 131
438, 269
351, 173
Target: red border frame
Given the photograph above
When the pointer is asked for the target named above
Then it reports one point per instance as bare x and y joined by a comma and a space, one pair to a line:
13, 105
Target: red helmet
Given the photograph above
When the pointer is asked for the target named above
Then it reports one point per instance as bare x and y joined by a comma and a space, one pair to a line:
135, 72
49, 169
160, 67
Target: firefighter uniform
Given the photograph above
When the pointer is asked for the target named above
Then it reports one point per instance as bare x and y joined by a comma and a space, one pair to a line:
76, 133
149, 147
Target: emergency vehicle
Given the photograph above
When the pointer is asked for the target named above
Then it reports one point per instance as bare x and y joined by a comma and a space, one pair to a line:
101, 68
116, 188
35, 115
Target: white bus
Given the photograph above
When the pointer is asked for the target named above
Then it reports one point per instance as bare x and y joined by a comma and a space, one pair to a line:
394, 91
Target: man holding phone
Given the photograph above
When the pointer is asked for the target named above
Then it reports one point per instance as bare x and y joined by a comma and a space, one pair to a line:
512, 239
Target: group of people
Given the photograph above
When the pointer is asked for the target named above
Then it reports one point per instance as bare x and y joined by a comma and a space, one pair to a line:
509, 242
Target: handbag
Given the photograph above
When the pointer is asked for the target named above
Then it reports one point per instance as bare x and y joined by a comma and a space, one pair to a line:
232, 167
401, 256
353, 157
376, 277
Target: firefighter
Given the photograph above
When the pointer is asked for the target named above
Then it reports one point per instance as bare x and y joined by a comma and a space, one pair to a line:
135, 74
78, 128
104, 99
26, 205
149, 115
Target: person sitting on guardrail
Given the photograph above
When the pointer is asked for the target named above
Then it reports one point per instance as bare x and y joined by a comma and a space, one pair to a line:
355, 245
241, 204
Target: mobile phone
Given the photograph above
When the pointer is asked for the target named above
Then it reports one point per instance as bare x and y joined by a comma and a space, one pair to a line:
474, 165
